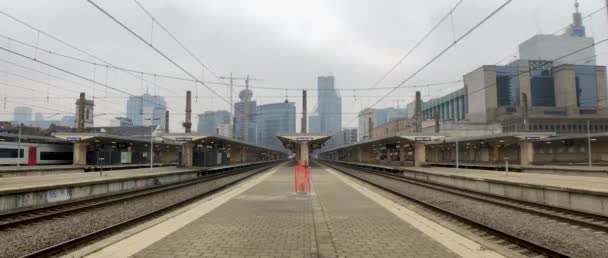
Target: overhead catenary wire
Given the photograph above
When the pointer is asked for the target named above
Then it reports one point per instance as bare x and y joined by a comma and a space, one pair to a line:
514, 54
154, 20
47, 74
156, 50
41, 32
140, 72
68, 72
441, 53
424, 38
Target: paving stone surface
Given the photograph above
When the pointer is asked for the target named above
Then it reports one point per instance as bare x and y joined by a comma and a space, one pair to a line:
269, 220
359, 227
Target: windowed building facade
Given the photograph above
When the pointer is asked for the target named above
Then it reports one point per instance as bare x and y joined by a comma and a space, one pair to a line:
538, 96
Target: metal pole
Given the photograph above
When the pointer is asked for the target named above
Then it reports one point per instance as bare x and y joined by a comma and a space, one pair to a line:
231, 104
151, 147
19, 147
457, 163
589, 143
507, 166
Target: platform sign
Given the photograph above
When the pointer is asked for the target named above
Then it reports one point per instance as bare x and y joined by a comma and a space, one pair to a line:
73, 139
57, 195
304, 139
532, 138
125, 157
183, 139
423, 139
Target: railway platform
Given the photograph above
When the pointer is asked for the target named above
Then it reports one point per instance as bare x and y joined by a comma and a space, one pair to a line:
41, 170
583, 193
18, 193
267, 219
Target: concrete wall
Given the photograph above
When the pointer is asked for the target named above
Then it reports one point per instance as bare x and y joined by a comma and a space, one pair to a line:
565, 92
575, 199
57, 194
586, 201
481, 98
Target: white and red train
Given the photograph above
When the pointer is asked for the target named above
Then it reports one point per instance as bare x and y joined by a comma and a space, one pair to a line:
35, 153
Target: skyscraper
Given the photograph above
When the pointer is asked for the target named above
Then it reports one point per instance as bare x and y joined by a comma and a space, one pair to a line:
23, 115
245, 117
274, 119
329, 106
350, 135
576, 29
214, 123
314, 123
147, 110
573, 47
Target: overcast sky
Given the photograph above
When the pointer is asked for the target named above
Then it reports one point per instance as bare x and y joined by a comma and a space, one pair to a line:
285, 43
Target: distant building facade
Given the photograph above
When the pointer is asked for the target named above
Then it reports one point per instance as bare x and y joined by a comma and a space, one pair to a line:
215, 123
329, 105
245, 117
121, 122
274, 119
555, 86
558, 98
379, 116
23, 115
350, 135
551, 47
448, 107
314, 123
146, 110
89, 113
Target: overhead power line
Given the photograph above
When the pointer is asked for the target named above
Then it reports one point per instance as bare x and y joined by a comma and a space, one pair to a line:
424, 38
554, 60
441, 53
155, 21
41, 32
140, 72
157, 50
514, 54
69, 72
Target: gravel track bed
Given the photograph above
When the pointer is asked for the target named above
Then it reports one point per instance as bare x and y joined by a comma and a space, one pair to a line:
23, 240
572, 240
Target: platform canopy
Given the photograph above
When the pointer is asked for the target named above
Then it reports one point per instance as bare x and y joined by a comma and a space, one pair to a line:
503, 138
315, 141
11, 137
404, 139
104, 137
215, 140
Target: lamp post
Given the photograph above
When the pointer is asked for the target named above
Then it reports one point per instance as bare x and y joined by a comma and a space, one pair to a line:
19, 146
589, 143
457, 162
152, 130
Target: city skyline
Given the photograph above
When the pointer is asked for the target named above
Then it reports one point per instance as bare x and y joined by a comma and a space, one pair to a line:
203, 100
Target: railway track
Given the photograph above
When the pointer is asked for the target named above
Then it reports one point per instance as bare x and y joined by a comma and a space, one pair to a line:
22, 219
575, 219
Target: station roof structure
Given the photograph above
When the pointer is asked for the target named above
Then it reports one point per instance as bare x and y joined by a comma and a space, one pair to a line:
507, 138
404, 138
315, 140
214, 139
592, 136
89, 137
31, 138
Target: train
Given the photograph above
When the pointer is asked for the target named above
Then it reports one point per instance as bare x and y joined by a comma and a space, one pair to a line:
35, 153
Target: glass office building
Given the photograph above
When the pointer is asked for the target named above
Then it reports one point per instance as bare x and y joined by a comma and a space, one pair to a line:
274, 119
507, 86
541, 84
214, 123
586, 86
